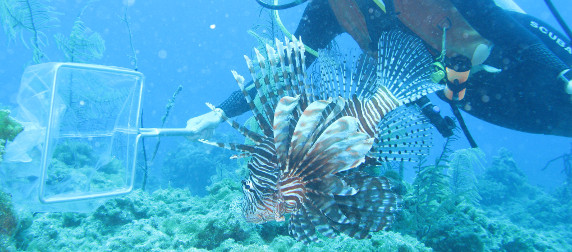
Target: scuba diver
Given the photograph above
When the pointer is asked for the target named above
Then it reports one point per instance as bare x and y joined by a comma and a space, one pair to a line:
504, 67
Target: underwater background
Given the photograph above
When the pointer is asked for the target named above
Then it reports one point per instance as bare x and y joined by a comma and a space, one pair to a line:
505, 200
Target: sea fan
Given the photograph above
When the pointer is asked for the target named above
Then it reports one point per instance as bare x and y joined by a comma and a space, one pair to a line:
83, 44
21, 16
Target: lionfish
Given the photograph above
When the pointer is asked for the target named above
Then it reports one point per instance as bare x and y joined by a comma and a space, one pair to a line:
316, 133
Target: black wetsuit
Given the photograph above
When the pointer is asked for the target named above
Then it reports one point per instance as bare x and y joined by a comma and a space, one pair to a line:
524, 96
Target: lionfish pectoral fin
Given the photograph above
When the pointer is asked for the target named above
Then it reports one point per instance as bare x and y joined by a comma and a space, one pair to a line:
314, 119
339, 148
282, 116
240, 128
244, 149
403, 135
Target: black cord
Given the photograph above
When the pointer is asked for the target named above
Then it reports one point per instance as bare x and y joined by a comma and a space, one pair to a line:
281, 7
463, 125
559, 19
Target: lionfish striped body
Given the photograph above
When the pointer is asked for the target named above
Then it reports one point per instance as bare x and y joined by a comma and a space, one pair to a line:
316, 133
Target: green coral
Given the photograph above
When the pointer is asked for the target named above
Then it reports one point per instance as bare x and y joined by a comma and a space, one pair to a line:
503, 181
9, 128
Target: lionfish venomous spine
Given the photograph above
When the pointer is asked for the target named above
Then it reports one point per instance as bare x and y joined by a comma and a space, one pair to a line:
317, 130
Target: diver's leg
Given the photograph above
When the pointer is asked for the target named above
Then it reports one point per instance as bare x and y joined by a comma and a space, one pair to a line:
500, 27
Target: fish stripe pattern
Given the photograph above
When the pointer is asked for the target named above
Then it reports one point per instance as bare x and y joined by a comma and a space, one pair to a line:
318, 129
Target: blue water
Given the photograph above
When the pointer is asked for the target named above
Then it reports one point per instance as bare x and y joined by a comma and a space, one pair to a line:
197, 43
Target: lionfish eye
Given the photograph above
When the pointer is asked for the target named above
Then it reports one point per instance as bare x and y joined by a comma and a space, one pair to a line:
247, 185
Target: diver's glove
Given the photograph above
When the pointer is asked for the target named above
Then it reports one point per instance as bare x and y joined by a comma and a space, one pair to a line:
444, 125
203, 126
566, 77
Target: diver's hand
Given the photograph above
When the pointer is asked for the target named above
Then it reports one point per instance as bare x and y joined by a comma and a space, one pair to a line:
566, 77
569, 88
203, 126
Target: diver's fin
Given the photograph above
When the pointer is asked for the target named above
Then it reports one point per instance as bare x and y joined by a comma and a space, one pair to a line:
403, 135
404, 66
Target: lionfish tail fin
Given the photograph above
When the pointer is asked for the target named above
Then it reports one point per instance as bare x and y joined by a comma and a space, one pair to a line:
404, 66
404, 134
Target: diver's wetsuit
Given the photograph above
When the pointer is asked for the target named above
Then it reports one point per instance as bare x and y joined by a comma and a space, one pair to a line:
524, 96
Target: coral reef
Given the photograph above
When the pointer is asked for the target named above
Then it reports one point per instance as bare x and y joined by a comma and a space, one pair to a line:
173, 219
9, 128
508, 218
195, 166
439, 213
76, 168
8, 221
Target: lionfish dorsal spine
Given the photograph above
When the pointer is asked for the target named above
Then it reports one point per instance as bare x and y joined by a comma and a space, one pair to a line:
300, 66
274, 59
293, 77
281, 55
266, 93
242, 148
262, 122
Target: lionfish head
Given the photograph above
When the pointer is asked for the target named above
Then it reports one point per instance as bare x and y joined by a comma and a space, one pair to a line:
260, 204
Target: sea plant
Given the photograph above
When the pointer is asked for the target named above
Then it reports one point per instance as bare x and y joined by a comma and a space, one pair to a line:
28, 19
441, 190
462, 179
82, 45
566, 163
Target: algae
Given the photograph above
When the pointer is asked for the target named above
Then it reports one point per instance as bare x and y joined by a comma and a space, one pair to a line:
9, 128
